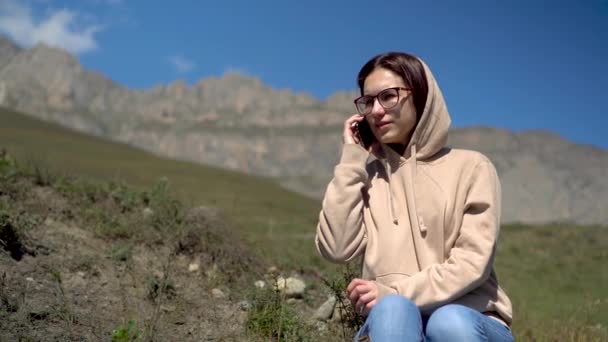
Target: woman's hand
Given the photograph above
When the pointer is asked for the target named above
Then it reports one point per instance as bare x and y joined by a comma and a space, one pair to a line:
363, 295
351, 135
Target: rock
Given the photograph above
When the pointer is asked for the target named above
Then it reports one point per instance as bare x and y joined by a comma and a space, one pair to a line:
272, 270
193, 267
260, 284
242, 318
167, 308
29, 279
245, 305
80, 274
321, 326
325, 311
292, 287
337, 314
74, 281
217, 293
147, 212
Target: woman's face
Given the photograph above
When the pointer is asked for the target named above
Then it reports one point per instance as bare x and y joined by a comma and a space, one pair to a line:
393, 125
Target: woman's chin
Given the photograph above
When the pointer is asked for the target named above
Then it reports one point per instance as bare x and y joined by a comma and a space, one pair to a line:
387, 139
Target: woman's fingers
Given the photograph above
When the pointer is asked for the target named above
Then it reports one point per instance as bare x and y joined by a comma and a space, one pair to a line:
353, 283
368, 307
350, 129
355, 289
357, 292
366, 298
363, 295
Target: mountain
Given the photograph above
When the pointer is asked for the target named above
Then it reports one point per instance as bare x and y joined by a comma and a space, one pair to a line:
237, 122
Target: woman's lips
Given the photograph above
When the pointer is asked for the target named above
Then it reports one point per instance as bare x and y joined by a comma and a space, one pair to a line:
382, 124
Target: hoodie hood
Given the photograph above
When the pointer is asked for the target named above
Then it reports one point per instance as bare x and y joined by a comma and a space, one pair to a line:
431, 132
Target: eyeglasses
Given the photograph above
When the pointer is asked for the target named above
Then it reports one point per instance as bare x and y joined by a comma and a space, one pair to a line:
388, 98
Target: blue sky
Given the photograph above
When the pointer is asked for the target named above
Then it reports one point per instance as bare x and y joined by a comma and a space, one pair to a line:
517, 65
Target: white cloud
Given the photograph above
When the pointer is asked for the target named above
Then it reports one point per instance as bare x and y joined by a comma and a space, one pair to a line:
181, 64
57, 28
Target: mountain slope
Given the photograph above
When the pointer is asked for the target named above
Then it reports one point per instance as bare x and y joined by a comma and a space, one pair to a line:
258, 206
237, 122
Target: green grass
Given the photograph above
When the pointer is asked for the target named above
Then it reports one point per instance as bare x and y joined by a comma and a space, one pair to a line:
272, 318
557, 278
556, 275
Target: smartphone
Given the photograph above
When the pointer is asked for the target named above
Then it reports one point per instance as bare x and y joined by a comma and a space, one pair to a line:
366, 136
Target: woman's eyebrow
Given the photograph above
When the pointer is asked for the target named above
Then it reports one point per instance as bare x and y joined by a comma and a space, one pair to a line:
379, 91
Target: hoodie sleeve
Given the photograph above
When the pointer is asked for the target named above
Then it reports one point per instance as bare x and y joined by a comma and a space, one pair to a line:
341, 231
471, 258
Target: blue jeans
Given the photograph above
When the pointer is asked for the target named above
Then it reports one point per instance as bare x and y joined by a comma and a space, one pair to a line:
396, 318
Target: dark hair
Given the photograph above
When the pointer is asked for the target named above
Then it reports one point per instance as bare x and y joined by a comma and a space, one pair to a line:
408, 67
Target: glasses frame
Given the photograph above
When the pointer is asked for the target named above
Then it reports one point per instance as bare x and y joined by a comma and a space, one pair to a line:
375, 97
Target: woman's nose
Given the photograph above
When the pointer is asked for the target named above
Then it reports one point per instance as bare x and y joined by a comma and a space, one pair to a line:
377, 109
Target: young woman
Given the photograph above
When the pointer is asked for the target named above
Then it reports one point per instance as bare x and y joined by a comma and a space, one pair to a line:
425, 217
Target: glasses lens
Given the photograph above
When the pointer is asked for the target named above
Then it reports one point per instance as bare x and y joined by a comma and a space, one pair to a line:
364, 104
388, 98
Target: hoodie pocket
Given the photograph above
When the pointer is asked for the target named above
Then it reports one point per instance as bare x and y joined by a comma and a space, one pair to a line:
391, 279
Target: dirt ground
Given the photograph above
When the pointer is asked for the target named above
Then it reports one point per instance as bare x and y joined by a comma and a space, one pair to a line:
71, 286
103, 262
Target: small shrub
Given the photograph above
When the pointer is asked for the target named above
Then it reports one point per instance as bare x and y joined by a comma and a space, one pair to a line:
67, 187
84, 263
126, 199
8, 169
126, 332
121, 252
63, 310
42, 175
157, 286
6, 303
107, 224
350, 321
270, 317
167, 212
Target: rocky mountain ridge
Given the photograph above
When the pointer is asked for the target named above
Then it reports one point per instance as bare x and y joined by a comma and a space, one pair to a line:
237, 122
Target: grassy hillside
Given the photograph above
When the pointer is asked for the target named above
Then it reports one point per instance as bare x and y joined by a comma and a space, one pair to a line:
557, 278
265, 211
87, 260
556, 275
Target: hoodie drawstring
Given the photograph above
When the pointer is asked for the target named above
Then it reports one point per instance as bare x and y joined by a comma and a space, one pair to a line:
411, 205
391, 207
416, 220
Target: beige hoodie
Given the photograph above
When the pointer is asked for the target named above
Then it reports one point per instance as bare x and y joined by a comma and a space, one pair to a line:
426, 222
